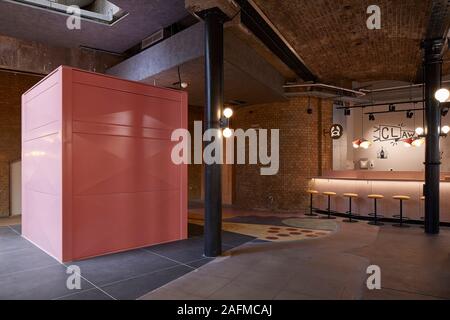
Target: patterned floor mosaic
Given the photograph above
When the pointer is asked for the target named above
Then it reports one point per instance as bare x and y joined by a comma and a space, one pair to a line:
274, 233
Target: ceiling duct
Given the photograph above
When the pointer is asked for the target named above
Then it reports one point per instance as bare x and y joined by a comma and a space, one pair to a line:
79, 3
101, 11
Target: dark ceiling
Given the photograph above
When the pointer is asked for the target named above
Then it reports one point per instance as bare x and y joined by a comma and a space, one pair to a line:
145, 17
333, 39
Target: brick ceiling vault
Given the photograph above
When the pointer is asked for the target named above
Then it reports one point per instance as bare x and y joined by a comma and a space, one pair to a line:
333, 39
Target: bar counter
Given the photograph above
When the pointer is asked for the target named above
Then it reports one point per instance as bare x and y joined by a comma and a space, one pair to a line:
388, 184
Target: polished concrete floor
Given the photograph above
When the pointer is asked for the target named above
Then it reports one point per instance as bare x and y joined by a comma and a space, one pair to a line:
330, 265
413, 266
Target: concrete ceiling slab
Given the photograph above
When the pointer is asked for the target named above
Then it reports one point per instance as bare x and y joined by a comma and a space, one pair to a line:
145, 17
238, 85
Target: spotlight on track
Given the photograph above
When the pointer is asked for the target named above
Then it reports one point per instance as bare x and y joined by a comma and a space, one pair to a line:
409, 114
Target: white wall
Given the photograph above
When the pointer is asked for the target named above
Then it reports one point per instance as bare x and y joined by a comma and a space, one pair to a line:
16, 188
399, 157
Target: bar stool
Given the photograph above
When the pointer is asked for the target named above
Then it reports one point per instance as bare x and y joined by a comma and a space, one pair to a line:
400, 216
422, 198
350, 196
329, 194
375, 215
311, 194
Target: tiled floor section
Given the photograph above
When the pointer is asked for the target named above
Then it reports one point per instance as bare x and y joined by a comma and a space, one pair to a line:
413, 266
28, 273
273, 228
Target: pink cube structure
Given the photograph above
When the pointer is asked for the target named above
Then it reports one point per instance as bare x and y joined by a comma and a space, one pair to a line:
97, 171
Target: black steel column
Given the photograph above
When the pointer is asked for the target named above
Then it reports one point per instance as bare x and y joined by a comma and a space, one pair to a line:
432, 75
214, 20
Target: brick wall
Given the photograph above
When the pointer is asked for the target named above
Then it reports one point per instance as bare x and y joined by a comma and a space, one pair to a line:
305, 150
11, 88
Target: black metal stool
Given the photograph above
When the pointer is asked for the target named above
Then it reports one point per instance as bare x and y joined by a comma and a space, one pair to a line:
311, 208
400, 216
350, 196
329, 194
375, 215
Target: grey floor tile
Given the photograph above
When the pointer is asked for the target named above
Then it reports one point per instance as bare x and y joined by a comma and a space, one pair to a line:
134, 288
184, 251
17, 228
39, 284
235, 239
115, 267
24, 259
92, 294
11, 241
199, 263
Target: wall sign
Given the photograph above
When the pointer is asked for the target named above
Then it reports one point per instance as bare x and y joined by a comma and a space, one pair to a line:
392, 134
336, 131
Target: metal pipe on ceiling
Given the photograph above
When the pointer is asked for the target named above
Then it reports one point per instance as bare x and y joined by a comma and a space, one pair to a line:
322, 85
419, 85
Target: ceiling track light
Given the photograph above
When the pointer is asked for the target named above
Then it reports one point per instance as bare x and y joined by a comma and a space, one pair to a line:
409, 114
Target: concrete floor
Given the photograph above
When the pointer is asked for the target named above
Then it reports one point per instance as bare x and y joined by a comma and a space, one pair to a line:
413, 266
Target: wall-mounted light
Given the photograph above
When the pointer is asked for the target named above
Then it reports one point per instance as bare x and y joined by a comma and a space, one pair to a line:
228, 113
227, 132
445, 130
357, 143
420, 131
442, 95
408, 143
418, 142
413, 142
365, 144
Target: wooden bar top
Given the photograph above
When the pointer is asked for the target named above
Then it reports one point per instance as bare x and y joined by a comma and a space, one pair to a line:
379, 175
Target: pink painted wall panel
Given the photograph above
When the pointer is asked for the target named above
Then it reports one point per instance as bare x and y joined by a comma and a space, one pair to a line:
120, 189
124, 164
42, 165
122, 221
